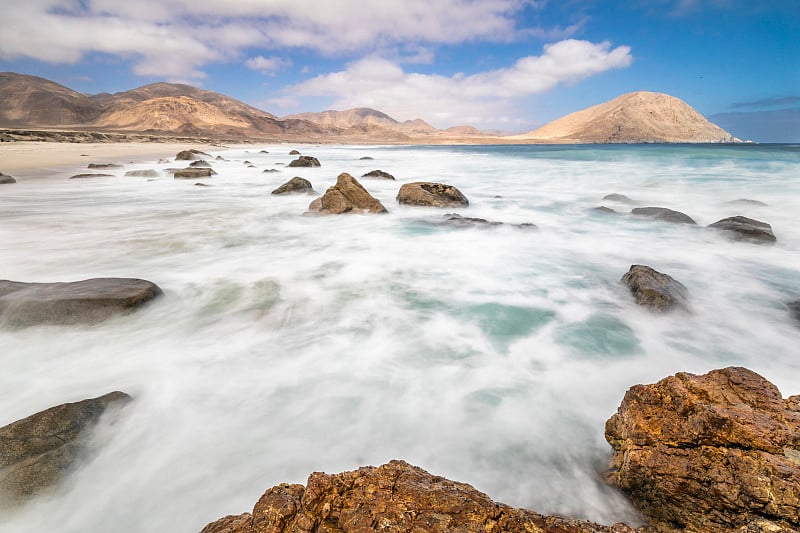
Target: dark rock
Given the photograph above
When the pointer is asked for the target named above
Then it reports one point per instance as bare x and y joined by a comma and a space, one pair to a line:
305, 161
37, 451
745, 201
200, 163
294, 185
366, 158
263, 152
431, 194
745, 229
192, 173
294, 152
199, 184
5, 178
662, 213
142, 173
794, 309
219, 158
454, 219
247, 163
270, 171
82, 176
621, 198
394, 498
190, 155
655, 290
713, 453
347, 196
604, 209
378, 174
251, 166
103, 165
79, 302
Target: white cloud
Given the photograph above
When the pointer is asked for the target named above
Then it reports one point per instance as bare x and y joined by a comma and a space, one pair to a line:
267, 65
481, 99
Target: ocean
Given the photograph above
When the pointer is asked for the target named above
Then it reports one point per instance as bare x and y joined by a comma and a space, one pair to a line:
286, 344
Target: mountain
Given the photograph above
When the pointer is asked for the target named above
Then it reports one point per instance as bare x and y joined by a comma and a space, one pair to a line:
634, 117
366, 119
32, 101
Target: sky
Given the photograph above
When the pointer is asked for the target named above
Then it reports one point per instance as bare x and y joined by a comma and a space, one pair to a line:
508, 65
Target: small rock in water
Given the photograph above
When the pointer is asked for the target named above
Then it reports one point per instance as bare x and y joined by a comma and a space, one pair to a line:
219, 158
423, 193
305, 161
103, 165
347, 196
794, 309
190, 155
378, 174
366, 158
82, 176
142, 173
247, 162
294, 185
662, 213
200, 163
191, 173
263, 152
614, 197
294, 152
454, 219
5, 178
604, 209
270, 171
200, 184
745, 229
745, 201
654, 290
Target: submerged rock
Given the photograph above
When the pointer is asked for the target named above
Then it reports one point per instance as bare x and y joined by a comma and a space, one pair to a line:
103, 165
662, 213
142, 173
431, 194
710, 453
79, 302
270, 171
621, 198
746, 201
5, 178
745, 229
190, 155
192, 173
263, 152
604, 209
366, 158
654, 290
294, 185
219, 158
794, 309
454, 219
83, 176
200, 163
378, 174
305, 161
37, 451
347, 196
294, 152
393, 498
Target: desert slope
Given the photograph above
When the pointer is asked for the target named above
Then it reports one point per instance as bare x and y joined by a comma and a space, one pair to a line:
634, 117
366, 119
30, 101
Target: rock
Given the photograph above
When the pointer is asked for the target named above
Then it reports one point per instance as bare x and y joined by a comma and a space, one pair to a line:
794, 309
604, 209
745, 229
294, 152
745, 201
103, 165
621, 198
659, 292
190, 155
294, 185
251, 166
431, 194
305, 161
192, 173
366, 158
709, 453
200, 163
142, 173
5, 178
662, 213
247, 162
263, 152
79, 302
82, 176
270, 171
199, 184
393, 498
219, 158
454, 219
378, 174
37, 451
347, 196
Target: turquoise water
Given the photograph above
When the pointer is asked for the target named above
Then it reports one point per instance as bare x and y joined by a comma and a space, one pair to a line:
287, 344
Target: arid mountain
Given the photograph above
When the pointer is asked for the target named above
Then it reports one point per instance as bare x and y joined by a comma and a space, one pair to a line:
27, 101
363, 119
463, 131
633, 117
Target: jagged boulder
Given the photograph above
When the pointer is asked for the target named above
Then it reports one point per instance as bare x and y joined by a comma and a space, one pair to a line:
654, 290
79, 302
37, 451
431, 194
663, 214
745, 229
713, 453
347, 196
294, 185
305, 161
393, 498
190, 155
192, 173
5, 178
378, 174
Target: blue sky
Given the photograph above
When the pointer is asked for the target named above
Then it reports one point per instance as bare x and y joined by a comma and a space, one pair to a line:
496, 64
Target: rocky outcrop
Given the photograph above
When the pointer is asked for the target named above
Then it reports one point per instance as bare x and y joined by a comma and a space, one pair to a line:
190, 155
79, 302
294, 185
305, 161
150, 173
347, 196
83, 176
424, 193
745, 229
663, 214
103, 165
191, 173
378, 174
393, 498
654, 290
37, 451
5, 178
709, 453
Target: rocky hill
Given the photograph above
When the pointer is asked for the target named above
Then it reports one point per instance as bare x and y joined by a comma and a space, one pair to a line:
634, 117
28, 101
366, 119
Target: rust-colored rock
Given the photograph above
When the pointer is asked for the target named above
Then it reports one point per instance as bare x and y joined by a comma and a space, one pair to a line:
305, 161
431, 194
713, 453
655, 290
347, 196
294, 185
193, 173
393, 498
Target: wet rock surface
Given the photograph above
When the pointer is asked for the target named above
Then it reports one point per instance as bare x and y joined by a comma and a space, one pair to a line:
654, 290
393, 498
423, 193
663, 214
150, 173
200, 163
83, 176
347, 196
190, 155
36, 452
192, 173
305, 161
79, 302
378, 174
294, 186
713, 453
5, 178
621, 198
103, 165
745, 229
